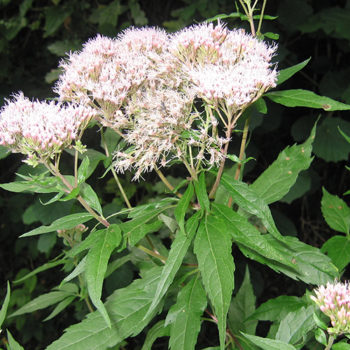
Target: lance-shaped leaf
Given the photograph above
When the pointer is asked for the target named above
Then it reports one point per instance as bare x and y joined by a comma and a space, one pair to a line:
157, 331
268, 344
248, 200
336, 212
13, 344
185, 315
305, 98
201, 192
285, 74
96, 265
182, 206
280, 176
65, 223
126, 308
90, 196
177, 252
212, 247
245, 234
5, 304
338, 249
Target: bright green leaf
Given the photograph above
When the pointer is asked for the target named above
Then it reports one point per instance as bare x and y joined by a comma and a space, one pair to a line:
305, 98
182, 206
13, 344
201, 192
5, 304
126, 308
341, 346
285, 74
96, 265
60, 307
90, 197
280, 176
83, 170
65, 223
212, 247
336, 212
338, 249
185, 315
80, 268
269, 344
157, 331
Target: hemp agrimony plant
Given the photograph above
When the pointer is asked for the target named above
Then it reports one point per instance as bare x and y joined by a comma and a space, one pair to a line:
158, 101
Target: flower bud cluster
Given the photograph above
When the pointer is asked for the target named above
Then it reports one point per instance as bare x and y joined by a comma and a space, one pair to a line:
41, 129
334, 301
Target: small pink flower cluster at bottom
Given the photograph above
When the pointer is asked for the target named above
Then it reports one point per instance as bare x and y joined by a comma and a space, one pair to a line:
334, 301
41, 129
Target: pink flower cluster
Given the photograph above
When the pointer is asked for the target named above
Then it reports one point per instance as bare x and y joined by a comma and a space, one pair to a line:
41, 129
334, 301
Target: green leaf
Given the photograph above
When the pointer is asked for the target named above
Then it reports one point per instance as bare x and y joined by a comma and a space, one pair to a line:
336, 212
268, 344
80, 268
13, 344
201, 192
138, 227
241, 307
90, 197
41, 302
285, 74
280, 176
4, 152
212, 247
44, 267
305, 98
182, 206
346, 137
83, 170
338, 249
65, 223
248, 200
46, 242
5, 304
96, 265
320, 336
60, 307
277, 309
87, 243
54, 18
41, 185
157, 331
341, 346
126, 308
185, 315
177, 252
244, 233
296, 325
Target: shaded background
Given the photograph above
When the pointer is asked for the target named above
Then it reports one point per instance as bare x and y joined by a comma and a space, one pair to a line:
35, 35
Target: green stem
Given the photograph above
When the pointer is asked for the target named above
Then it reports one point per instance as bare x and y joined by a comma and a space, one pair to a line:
76, 168
166, 182
152, 253
261, 17
330, 343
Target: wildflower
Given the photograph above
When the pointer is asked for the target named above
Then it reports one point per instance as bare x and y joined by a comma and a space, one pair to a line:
40, 130
334, 301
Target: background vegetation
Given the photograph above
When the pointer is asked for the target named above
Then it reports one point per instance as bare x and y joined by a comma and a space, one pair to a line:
35, 35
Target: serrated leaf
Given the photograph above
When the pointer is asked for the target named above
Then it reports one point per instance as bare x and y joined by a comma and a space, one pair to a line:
276, 309
250, 201
83, 170
60, 307
212, 247
336, 212
13, 344
338, 249
41, 302
157, 331
201, 192
268, 344
296, 325
241, 307
96, 265
177, 252
182, 206
285, 74
126, 308
5, 304
280, 176
305, 98
244, 233
185, 315
65, 223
